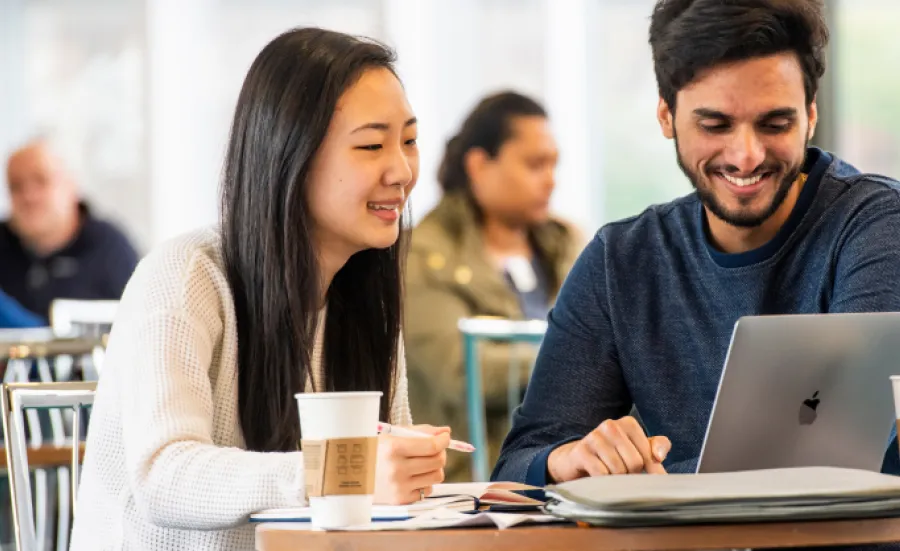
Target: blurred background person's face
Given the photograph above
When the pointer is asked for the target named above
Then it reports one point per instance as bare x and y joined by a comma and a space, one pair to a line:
515, 186
43, 198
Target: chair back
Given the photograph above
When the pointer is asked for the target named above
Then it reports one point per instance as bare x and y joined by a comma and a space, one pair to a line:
499, 329
78, 318
72, 319
478, 329
15, 400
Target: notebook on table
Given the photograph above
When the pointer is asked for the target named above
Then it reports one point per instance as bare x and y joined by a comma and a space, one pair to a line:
379, 512
799, 493
452, 497
487, 493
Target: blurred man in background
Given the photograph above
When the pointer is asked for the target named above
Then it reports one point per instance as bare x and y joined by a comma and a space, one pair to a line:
51, 246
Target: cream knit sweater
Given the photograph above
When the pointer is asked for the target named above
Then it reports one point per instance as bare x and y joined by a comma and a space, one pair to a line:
165, 466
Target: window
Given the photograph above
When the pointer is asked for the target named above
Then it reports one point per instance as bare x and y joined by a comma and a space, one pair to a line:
140, 93
867, 56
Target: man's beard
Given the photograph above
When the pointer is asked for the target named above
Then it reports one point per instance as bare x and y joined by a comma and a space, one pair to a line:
739, 219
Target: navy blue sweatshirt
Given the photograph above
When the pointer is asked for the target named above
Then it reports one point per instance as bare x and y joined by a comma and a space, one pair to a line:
645, 317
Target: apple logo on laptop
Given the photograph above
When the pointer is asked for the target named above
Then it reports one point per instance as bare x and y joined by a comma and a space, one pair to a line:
808, 410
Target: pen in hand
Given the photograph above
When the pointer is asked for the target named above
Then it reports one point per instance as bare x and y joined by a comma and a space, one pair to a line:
387, 428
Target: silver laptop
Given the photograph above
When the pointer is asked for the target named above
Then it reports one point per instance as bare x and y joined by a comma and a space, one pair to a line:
805, 390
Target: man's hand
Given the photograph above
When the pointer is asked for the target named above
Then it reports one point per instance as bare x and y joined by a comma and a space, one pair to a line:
615, 447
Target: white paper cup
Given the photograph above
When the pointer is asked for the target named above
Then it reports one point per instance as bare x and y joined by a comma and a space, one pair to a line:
327, 415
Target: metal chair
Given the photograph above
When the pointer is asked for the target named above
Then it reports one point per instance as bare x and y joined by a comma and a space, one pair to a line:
16, 399
85, 319
31, 334
475, 330
79, 318
36, 355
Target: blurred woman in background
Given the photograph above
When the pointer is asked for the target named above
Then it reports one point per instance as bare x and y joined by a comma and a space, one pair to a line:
195, 425
489, 248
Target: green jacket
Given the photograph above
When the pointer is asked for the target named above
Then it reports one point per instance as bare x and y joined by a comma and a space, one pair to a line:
449, 277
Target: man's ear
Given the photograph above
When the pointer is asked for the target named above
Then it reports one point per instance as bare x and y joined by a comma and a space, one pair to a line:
813, 113
666, 119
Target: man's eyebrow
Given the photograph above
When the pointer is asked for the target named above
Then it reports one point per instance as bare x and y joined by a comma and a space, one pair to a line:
705, 113
781, 112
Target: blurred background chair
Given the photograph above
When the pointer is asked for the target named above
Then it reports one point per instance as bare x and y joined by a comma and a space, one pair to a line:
16, 401
37, 355
85, 319
477, 330
80, 318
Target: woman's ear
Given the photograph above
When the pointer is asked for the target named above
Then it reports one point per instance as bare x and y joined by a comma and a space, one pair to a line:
476, 162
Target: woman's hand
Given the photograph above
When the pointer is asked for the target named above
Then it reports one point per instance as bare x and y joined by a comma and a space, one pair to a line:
407, 465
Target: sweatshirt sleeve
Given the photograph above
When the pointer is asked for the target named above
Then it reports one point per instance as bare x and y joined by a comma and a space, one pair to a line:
577, 381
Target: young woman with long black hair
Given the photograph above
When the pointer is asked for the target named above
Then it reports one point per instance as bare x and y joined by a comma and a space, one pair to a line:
299, 289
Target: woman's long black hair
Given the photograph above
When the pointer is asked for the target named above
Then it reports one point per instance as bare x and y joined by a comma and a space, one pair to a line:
281, 118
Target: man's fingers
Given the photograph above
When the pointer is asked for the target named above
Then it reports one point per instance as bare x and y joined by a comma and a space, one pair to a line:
588, 463
655, 468
615, 447
631, 457
641, 443
661, 447
604, 443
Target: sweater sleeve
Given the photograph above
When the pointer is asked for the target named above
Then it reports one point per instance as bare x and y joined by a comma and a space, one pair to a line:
180, 479
165, 365
577, 381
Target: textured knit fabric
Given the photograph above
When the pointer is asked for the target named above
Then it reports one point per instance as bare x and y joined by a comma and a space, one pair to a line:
646, 315
95, 265
166, 467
